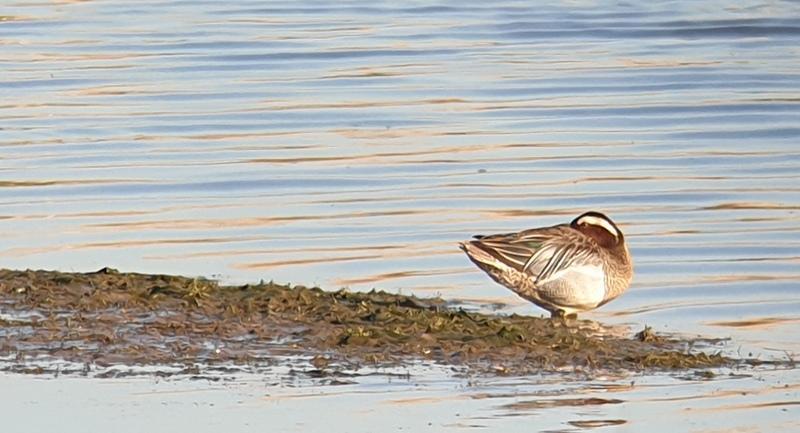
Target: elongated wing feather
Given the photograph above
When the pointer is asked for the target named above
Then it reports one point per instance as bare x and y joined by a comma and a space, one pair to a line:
543, 252
504, 248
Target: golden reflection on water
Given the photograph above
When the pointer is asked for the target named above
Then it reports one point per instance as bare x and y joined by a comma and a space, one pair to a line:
348, 147
687, 304
762, 322
377, 253
389, 276
594, 423
748, 406
533, 405
195, 224
283, 263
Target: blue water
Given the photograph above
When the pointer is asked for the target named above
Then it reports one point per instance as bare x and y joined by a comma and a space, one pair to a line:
355, 143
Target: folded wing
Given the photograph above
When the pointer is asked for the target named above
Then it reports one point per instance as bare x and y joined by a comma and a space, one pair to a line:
542, 253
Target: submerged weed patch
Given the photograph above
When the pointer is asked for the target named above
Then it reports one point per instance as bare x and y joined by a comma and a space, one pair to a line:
108, 317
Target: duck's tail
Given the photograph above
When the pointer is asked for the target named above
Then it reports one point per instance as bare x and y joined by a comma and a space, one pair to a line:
482, 258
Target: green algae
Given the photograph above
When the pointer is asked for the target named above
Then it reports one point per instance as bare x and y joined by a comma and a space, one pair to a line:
109, 317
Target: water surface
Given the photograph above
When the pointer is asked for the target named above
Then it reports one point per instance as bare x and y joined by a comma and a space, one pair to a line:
353, 144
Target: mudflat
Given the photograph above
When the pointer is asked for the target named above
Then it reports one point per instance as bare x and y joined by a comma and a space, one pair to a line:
107, 317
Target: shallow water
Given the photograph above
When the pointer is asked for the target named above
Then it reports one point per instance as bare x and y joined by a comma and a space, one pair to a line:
353, 144
424, 403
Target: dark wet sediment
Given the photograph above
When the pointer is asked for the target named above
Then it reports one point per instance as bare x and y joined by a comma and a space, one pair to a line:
107, 317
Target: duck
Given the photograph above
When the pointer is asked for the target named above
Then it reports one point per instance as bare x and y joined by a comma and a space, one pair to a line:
565, 269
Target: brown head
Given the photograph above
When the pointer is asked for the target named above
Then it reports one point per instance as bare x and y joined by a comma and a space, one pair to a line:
600, 228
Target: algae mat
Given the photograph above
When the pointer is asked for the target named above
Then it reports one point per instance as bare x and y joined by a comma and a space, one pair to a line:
108, 318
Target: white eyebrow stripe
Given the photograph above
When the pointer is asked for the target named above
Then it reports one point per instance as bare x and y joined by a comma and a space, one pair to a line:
595, 221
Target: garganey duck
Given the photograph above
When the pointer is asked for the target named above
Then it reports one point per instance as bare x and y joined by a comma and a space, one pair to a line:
565, 269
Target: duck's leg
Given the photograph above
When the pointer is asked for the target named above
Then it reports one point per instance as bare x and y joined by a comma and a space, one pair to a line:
563, 317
